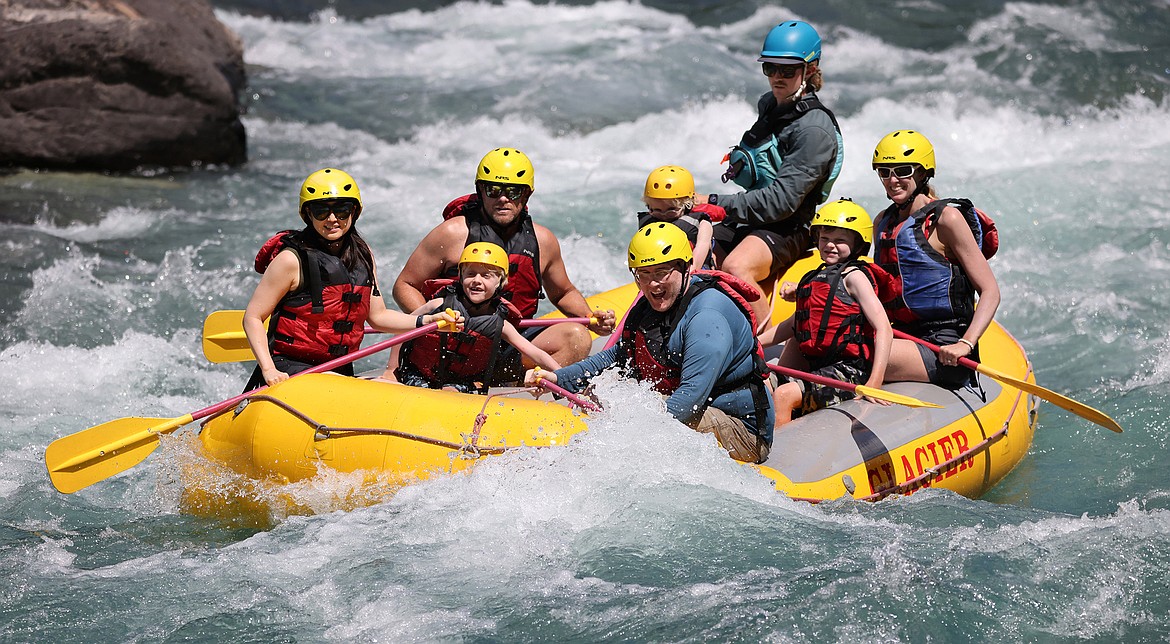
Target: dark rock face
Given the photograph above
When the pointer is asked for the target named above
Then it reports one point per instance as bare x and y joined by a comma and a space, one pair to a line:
114, 85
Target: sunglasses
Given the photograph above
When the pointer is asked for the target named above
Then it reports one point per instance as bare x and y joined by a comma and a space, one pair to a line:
784, 71
494, 190
660, 212
320, 210
899, 171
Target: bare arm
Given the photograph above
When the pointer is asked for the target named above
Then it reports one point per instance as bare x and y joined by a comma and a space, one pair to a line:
282, 277
702, 244
384, 319
561, 291
862, 291
780, 333
960, 246
525, 347
438, 250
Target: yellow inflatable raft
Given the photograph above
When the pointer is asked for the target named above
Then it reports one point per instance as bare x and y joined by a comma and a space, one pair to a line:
387, 435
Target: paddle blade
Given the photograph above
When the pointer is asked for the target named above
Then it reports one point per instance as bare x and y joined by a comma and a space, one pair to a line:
1064, 402
227, 349
224, 339
898, 399
86, 457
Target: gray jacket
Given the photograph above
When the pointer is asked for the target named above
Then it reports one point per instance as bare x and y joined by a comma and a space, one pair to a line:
808, 147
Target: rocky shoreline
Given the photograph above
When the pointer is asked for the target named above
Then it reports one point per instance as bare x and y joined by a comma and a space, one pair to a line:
118, 85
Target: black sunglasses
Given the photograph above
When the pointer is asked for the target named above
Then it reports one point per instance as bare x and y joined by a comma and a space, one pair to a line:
512, 192
321, 209
784, 71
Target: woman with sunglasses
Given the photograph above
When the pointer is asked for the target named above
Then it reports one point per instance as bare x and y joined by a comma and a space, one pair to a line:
319, 287
933, 249
787, 161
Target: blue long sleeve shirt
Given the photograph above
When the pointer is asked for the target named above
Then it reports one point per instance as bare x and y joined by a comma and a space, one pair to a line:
716, 344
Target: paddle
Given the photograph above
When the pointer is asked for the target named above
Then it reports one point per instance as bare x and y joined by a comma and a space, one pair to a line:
861, 390
95, 454
1064, 402
564, 393
224, 339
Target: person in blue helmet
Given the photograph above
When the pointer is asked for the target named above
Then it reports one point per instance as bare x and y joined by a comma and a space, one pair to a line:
787, 163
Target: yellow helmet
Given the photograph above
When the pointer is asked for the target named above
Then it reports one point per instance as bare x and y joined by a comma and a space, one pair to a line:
843, 213
904, 146
329, 183
485, 253
506, 165
670, 182
658, 243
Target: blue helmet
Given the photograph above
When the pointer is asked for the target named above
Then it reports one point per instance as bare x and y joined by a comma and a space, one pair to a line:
791, 41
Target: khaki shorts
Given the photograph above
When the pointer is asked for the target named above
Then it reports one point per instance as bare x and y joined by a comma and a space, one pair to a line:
734, 435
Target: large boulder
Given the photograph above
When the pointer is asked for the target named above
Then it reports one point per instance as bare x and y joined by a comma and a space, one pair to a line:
118, 84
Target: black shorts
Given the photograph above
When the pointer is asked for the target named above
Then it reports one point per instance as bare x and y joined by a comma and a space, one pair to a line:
949, 377
788, 243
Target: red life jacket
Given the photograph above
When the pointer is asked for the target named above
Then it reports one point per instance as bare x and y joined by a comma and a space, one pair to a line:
525, 288
828, 324
646, 333
468, 356
325, 317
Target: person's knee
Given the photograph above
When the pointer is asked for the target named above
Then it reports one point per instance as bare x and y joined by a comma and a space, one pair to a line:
566, 343
787, 396
741, 266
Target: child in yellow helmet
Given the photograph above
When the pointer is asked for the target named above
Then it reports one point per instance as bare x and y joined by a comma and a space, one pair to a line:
839, 329
670, 196
467, 361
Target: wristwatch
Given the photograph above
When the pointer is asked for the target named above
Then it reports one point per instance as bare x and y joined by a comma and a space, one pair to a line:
713, 200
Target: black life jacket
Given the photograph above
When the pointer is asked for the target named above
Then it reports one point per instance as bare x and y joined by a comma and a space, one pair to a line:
829, 325
525, 287
468, 356
325, 317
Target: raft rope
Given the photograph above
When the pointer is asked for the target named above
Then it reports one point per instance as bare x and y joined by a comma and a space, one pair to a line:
931, 473
468, 449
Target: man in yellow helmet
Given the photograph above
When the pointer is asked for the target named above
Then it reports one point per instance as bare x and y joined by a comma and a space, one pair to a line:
692, 337
498, 213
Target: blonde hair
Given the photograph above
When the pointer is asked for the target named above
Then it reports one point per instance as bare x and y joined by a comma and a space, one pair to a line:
813, 78
685, 203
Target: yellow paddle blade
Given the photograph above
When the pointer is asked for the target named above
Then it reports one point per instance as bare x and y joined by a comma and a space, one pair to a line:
1064, 402
898, 399
82, 459
224, 339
